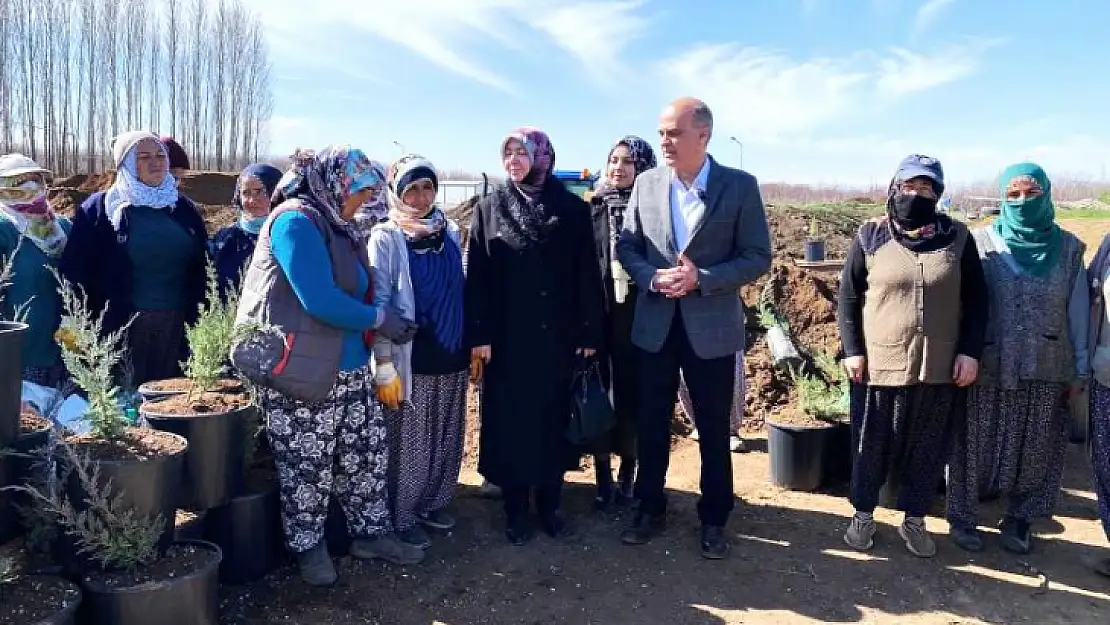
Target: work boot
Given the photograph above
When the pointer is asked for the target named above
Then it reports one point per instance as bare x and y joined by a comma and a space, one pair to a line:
861, 532
644, 527
388, 548
917, 538
316, 566
519, 530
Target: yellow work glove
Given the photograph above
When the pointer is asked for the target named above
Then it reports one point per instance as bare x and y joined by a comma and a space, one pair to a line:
388, 384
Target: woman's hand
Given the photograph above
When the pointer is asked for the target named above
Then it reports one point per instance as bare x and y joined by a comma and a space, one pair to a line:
388, 386
965, 371
856, 367
586, 352
396, 328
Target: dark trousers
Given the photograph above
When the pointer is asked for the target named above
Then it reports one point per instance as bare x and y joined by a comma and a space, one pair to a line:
710, 382
517, 499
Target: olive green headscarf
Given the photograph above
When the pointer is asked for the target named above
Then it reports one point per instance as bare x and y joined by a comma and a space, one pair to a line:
1029, 227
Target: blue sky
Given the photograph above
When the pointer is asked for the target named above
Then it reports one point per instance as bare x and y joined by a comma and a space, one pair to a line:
818, 91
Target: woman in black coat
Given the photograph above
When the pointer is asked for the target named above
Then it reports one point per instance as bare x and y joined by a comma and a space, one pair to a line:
233, 245
533, 300
630, 157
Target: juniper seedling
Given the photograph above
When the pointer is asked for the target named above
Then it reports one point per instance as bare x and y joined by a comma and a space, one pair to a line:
90, 357
211, 336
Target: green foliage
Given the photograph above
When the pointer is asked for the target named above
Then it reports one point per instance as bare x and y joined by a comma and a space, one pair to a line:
107, 530
211, 336
90, 359
817, 398
7, 274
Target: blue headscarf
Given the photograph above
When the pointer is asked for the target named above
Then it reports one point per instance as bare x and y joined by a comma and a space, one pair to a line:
269, 176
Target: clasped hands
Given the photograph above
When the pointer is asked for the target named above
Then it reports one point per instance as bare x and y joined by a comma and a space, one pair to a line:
677, 281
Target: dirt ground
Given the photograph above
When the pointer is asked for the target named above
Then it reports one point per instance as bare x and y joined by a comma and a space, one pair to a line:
789, 564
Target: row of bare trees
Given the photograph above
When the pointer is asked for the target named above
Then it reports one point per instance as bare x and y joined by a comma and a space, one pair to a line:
75, 73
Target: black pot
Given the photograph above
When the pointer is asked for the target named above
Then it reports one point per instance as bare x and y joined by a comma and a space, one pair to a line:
214, 462
149, 487
814, 250
191, 530
797, 455
192, 599
149, 394
15, 470
248, 530
67, 615
11, 379
837, 468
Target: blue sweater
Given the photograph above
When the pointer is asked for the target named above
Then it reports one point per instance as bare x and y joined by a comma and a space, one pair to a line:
97, 260
35, 290
231, 250
300, 251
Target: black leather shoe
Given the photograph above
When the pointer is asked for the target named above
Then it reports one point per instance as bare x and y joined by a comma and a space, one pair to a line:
519, 531
644, 527
714, 544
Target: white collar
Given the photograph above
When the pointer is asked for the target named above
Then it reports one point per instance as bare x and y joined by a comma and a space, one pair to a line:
700, 181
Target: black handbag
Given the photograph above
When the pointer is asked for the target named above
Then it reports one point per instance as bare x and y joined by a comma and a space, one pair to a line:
591, 414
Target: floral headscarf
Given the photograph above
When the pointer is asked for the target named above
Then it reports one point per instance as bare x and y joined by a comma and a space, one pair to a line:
376, 210
541, 157
30, 214
326, 179
616, 200
129, 190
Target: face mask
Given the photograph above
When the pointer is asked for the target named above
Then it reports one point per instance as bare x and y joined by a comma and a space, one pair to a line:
913, 211
252, 225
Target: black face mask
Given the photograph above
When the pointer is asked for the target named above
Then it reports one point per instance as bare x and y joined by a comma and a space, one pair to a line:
912, 211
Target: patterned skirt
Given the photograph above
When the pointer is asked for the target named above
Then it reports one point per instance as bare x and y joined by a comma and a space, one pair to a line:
902, 433
337, 447
426, 443
1100, 450
1013, 443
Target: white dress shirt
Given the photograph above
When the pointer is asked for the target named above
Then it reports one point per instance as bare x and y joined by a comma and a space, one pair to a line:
687, 206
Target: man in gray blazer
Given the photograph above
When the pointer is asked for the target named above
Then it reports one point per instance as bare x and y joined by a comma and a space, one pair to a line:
694, 232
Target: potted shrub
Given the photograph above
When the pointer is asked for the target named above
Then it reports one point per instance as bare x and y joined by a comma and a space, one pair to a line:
248, 528
142, 464
11, 365
814, 244
16, 463
206, 407
798, 437
126, 577
35, 599
838, 452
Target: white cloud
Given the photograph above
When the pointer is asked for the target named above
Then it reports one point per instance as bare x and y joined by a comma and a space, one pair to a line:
595, 33
767, 96
928, 13
905, 72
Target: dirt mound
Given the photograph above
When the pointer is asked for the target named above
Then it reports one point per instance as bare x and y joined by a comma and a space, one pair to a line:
807, 300
209, 188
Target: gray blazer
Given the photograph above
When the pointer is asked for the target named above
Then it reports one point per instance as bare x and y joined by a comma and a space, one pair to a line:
731, 246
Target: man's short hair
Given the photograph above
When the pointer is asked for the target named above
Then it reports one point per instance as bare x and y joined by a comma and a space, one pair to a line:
703, 117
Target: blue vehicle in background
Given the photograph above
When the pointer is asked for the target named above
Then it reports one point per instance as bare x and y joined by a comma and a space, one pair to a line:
581, 182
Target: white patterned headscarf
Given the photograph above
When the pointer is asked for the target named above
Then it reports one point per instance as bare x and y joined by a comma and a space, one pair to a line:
128, 189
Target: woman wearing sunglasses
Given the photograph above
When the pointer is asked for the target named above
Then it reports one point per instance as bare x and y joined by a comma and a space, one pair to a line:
1034, 358
32, 239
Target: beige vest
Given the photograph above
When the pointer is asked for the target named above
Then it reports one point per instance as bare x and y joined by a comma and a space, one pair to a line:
911, 313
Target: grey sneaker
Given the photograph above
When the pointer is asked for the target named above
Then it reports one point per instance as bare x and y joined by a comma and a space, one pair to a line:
388, 548
917, 538
861, 534
415, 536
736, 444
316, 566
1016, 535
437, 519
